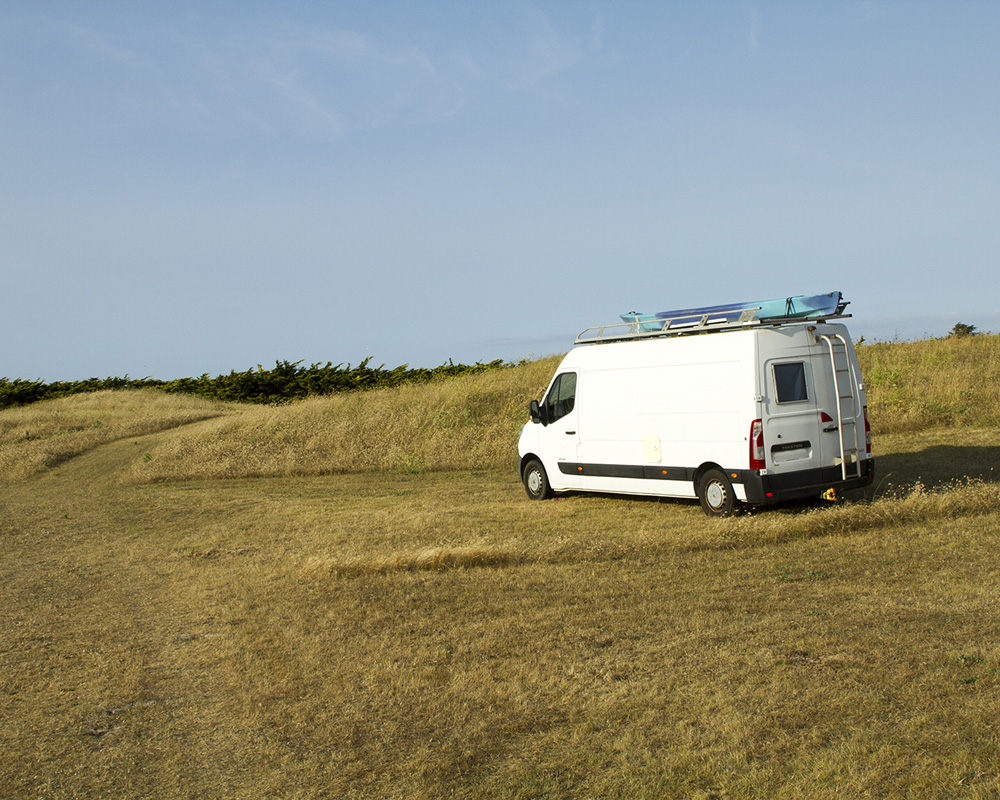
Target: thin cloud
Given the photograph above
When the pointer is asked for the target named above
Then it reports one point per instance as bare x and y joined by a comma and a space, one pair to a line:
91, 43
329, 81
753, 36
547, 51
263, 77
870, 10
311, 111
193, 76
597, 34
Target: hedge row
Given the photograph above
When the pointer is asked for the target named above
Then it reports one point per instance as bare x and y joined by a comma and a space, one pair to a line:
287, 381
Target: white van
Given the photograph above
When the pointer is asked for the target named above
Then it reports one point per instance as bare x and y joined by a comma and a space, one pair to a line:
727, 411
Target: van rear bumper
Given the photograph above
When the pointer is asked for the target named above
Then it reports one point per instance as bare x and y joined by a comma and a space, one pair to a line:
772, 488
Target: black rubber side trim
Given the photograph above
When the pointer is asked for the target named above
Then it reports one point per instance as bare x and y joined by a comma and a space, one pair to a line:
639, 472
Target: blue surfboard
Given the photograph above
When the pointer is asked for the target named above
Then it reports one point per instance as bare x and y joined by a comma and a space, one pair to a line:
795, 307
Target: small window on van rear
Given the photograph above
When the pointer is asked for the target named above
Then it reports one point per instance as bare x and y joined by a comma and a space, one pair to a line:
790, 382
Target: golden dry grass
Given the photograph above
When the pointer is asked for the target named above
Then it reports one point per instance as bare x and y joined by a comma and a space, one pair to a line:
419, 629
42, 435
439, 635
463, 423
933, 383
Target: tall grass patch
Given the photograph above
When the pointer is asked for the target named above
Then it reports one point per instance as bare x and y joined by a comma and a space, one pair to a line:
45, 434
470, 422
932, 383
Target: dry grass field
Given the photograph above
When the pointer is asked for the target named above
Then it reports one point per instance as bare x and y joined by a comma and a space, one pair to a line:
352, 597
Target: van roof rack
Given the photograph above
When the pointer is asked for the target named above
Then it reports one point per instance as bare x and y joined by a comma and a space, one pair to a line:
687, 324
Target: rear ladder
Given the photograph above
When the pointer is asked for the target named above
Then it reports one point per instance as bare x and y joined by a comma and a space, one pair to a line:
845, 386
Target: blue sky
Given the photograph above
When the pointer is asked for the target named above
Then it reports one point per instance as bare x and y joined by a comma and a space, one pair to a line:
194, 187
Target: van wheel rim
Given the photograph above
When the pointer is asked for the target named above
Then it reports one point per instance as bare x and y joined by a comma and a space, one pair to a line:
716, 495
534, 481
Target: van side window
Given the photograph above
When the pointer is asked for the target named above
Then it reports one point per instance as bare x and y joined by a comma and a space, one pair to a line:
561, 397
790, 382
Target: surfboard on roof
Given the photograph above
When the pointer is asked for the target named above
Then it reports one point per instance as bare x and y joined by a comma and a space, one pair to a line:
794, 307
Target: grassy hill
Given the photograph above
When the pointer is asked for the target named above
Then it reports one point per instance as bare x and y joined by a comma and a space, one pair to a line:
470, 422
350, 596
936, 383
458, 423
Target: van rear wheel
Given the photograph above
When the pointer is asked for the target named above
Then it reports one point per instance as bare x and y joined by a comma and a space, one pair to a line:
716, 494
536, 482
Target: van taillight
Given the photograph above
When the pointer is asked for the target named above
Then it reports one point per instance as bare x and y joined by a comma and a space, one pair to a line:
868, 432
757, 444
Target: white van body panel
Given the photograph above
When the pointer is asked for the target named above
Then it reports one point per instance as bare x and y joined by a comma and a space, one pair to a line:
650, 415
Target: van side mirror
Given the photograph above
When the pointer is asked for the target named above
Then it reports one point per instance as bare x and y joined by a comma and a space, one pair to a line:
535, 412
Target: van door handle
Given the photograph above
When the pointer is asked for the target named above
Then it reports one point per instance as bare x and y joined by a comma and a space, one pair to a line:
571, 433
832, 429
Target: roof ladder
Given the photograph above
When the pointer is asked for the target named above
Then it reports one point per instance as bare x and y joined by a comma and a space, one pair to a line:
845, 386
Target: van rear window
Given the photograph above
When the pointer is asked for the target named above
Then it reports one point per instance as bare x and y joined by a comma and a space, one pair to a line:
790, 382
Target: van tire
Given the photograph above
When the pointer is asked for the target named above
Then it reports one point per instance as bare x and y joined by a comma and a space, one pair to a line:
716, 494
536, 482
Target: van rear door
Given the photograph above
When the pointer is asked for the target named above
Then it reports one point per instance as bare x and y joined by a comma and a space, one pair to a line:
792, 407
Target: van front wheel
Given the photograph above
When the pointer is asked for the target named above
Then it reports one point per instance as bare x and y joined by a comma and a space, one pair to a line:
536, 482
716, 494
